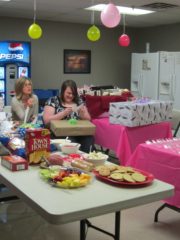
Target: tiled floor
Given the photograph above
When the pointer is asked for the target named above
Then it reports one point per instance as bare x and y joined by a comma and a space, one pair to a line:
136, 223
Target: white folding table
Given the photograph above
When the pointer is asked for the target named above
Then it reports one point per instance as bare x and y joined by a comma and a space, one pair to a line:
60, 206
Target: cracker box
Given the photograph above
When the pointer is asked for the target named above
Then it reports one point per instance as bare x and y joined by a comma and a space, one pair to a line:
134, 114
14, 163
37, 145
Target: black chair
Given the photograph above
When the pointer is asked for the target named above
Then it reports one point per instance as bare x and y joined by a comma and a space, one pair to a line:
176, 130
102, 87
6, 195
42, 104
175, 121
43, 95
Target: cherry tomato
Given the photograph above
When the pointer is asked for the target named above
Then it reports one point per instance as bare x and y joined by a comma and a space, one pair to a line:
74, 155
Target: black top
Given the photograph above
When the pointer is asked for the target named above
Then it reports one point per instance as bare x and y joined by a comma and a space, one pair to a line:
56, 103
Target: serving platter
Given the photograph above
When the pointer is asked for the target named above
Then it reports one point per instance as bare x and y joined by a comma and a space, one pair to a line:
148, 179
66, 177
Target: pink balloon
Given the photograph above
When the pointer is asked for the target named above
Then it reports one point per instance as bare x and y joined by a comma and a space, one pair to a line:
124, 40
110, 16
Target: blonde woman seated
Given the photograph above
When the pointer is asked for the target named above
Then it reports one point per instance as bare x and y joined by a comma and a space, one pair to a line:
24, 103
66, 106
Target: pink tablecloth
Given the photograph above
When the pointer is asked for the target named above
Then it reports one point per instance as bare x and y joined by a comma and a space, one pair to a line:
164, 163
123, 140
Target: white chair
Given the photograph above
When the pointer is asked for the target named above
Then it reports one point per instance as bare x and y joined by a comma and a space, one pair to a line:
7, 110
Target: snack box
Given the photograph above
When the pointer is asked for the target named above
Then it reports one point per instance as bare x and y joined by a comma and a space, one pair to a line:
37, 143
64, 128
14, 163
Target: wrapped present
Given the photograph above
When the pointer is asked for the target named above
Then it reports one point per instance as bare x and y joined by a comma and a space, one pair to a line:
4, 139
17, 146
23, 128
66, 128
16, 143
135, 113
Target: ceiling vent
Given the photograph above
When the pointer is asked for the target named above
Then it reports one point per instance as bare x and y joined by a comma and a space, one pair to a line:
159, 6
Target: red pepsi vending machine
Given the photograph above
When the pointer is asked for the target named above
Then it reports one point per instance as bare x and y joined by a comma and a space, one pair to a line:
15, 62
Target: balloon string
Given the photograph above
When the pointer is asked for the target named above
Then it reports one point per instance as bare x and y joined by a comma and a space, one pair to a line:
124, 25
92, 17
34, 11
92, 14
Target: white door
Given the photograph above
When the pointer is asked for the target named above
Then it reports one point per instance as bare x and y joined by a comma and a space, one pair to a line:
176, 82
166, 75
11, 76
136, 74
150, 75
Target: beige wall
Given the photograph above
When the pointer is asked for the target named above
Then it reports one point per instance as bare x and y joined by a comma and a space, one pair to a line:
161, 38
110, 62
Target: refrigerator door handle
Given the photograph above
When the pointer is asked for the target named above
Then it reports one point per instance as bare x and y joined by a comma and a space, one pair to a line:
172, 87
140, 85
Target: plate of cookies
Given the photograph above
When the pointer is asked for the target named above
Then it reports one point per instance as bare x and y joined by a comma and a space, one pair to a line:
122, 175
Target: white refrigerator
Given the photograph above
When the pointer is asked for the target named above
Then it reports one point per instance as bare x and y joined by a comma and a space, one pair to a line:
145, 75
156, 75
169, 77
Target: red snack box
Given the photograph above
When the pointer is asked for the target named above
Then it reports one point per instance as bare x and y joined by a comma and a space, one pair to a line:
37, 144
14, 163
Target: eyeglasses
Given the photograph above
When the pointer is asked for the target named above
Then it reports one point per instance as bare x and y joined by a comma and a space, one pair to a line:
27, 84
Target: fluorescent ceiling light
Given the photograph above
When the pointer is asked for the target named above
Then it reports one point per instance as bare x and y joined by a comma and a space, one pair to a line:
122, 10
5, 0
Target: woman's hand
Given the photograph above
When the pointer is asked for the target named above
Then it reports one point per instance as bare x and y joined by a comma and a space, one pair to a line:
83, 113
82, 110
67, 111
49, 114
30, 102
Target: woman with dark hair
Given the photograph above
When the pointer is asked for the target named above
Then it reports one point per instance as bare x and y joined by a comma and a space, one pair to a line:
66, 106
72, 85
24, 99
